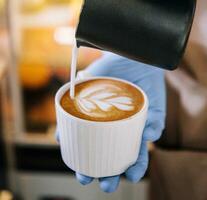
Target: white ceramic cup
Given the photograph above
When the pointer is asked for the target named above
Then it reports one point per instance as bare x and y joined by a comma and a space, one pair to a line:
99, 149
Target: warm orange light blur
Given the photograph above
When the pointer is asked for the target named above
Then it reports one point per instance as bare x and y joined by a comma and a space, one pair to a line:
34, 75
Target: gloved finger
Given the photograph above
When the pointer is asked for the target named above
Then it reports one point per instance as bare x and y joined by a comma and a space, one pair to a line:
57, 136
137, 171
109, 184
110, 65
154, 126
152, 133
154, 86
100, 67
84, 180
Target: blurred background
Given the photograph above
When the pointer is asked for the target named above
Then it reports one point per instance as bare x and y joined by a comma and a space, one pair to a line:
36, 37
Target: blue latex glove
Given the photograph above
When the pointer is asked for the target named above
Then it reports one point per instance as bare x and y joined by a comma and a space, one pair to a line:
151, 80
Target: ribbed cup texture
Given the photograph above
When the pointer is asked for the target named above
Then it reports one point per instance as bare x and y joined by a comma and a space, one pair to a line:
99, 149
102, 149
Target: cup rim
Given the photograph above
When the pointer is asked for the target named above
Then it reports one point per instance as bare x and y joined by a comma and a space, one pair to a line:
66, 86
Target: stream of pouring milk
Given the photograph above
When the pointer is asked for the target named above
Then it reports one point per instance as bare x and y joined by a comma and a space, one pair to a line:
73, 70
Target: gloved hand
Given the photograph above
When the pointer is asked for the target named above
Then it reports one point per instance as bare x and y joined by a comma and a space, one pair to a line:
151, 80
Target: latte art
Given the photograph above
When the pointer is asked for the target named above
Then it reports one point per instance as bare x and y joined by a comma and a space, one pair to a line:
103, 100
96, 101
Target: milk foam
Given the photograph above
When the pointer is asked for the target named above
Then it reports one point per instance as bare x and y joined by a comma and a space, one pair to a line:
97, 100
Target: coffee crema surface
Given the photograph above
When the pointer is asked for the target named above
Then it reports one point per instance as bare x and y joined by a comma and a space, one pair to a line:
103, 100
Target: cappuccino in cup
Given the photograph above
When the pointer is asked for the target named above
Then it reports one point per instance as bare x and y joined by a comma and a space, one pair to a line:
103, 100
101, 127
